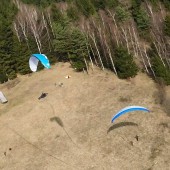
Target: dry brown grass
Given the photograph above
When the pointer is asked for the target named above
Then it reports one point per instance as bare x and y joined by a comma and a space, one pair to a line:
12, 83
162, 97
84, 106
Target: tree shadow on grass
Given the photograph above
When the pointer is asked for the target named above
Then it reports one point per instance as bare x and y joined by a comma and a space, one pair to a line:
121, 124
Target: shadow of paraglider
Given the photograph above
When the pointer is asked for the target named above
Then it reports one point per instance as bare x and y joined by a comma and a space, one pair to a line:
121, 124
61, 124
57, 120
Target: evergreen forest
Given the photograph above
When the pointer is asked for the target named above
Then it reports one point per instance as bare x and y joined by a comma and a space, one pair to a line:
124, 36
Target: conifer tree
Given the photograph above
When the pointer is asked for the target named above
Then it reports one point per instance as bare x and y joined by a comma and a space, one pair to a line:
3, 77
161, 72
7, 60
167, 25
22, 54
70, 43
124, 63
86, 7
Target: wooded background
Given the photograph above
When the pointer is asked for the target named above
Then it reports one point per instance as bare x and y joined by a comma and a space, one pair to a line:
125, 36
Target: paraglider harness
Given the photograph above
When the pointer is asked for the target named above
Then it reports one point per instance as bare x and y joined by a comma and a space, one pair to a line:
43, 95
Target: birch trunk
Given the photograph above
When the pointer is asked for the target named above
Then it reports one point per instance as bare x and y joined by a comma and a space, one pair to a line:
89, 55
94, 41
16, 30
45, 25
126, 39
132, 42
49, 19
149, 62
94, 55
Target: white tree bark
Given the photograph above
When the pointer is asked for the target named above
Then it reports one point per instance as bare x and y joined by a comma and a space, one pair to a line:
158, 51
32, 21
86, 65
126, 39
116, 30
116, 38
16, 30
94, 55
89, 55
102, 43
45, 25
133, 43
22, 25
149, 62
49, 19
94, 41
111, 59
139, 48
107, 46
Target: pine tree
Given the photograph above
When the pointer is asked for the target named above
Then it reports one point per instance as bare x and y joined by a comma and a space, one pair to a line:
6, 45
7, 60
3, 77
161, 72
22, 55
141, 18
86, 7
167, 25
124, 63
70, 43
72, 13
56, 14
112, 3
99, 4
79, 50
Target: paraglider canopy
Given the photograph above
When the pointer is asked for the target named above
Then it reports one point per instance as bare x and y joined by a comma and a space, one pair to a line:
35, 58
129, 109
3, 98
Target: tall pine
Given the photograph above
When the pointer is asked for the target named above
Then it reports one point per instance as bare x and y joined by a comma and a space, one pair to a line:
70, 44
124, 63
7, 60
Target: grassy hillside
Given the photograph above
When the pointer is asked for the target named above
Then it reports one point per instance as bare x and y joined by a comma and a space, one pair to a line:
117, 54
71, 128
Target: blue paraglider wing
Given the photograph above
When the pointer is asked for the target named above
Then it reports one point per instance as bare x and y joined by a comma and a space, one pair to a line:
35, 58
129, 109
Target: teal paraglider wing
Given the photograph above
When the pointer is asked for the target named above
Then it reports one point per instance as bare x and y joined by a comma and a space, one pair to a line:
34, 60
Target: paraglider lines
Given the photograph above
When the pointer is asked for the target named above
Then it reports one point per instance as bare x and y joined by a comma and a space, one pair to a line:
60, 123
36, 147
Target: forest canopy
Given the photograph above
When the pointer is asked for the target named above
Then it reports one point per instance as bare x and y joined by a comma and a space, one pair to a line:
123, 36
